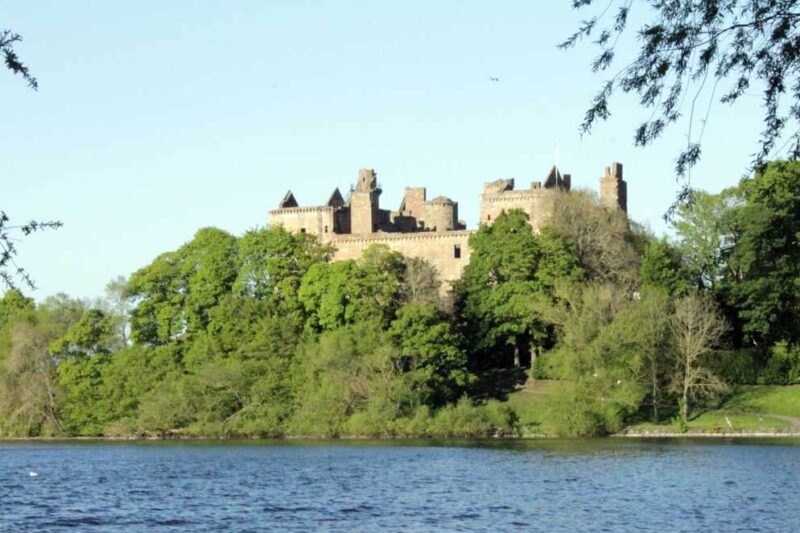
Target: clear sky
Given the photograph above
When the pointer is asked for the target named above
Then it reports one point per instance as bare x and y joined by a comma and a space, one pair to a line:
155, 119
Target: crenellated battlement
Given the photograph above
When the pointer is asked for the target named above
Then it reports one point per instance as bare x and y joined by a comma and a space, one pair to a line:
426, 228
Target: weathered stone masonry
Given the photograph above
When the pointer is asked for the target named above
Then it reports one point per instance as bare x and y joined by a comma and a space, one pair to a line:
429, 229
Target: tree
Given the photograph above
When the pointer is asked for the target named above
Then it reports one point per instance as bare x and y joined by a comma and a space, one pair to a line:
764, 256
175, 293
688, 49
662, 266
697, 329
7, 41
117, 306
421, 282
703, 228
29, 390
346, 292
92, 334
645, 325
608, 251
596, 358
353, 369
433, 359
273, 261
509, 269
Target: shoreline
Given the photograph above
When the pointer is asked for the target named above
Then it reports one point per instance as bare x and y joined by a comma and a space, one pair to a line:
706, 435
622, 435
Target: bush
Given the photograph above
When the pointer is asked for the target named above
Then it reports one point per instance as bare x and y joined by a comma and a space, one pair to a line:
783, 366
738, 367
464, 419
571, 413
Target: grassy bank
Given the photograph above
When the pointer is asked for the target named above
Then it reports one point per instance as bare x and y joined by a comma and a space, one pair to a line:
747, 410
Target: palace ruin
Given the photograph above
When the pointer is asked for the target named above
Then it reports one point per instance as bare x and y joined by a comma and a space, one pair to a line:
424, 228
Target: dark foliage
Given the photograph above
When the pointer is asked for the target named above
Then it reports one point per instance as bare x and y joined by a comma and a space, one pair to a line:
696, 51
7, 41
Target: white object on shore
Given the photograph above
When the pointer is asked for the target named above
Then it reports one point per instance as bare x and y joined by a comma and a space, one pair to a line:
727, 421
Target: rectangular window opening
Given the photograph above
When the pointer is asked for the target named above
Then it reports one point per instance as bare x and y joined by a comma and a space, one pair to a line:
457, 251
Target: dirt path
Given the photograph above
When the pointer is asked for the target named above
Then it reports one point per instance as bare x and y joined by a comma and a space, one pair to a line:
793, 421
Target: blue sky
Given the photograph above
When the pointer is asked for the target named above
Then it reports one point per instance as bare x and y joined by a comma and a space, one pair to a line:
156, 119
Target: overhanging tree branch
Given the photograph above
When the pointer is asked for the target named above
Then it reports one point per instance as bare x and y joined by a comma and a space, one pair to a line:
682, 43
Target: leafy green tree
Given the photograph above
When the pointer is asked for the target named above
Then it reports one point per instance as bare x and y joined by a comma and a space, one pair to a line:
350, 370
703, 226
273, 262
59, 312
346, 292
209, 264
13, 307
662, 266
117, 305
327, 295
129, 379
596, 361
175, 293
80, 379
92, 334
433, 359
81, 354
643, 330
509, 269
764, 259
240, 372
158, 292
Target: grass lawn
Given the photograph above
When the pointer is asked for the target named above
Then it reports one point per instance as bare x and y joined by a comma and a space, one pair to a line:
748, 408
717, 421
527, 402
770, 399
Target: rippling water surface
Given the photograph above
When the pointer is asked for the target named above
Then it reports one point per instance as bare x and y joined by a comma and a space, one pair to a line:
598, 485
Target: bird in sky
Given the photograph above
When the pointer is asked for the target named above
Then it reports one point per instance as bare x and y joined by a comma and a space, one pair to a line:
491, 78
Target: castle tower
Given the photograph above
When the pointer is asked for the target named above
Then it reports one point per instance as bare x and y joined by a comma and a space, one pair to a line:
441, 214
614, 189
364, 203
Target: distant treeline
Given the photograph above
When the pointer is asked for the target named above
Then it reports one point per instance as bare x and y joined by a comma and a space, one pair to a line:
261, 335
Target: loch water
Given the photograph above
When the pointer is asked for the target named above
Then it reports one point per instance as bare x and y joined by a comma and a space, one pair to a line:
548, 485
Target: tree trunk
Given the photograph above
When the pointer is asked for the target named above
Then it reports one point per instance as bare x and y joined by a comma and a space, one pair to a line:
534, 357
516, 356
654, 377
685, 403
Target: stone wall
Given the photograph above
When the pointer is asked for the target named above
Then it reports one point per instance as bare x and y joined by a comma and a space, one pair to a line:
317, 221
439, 248
536, 203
